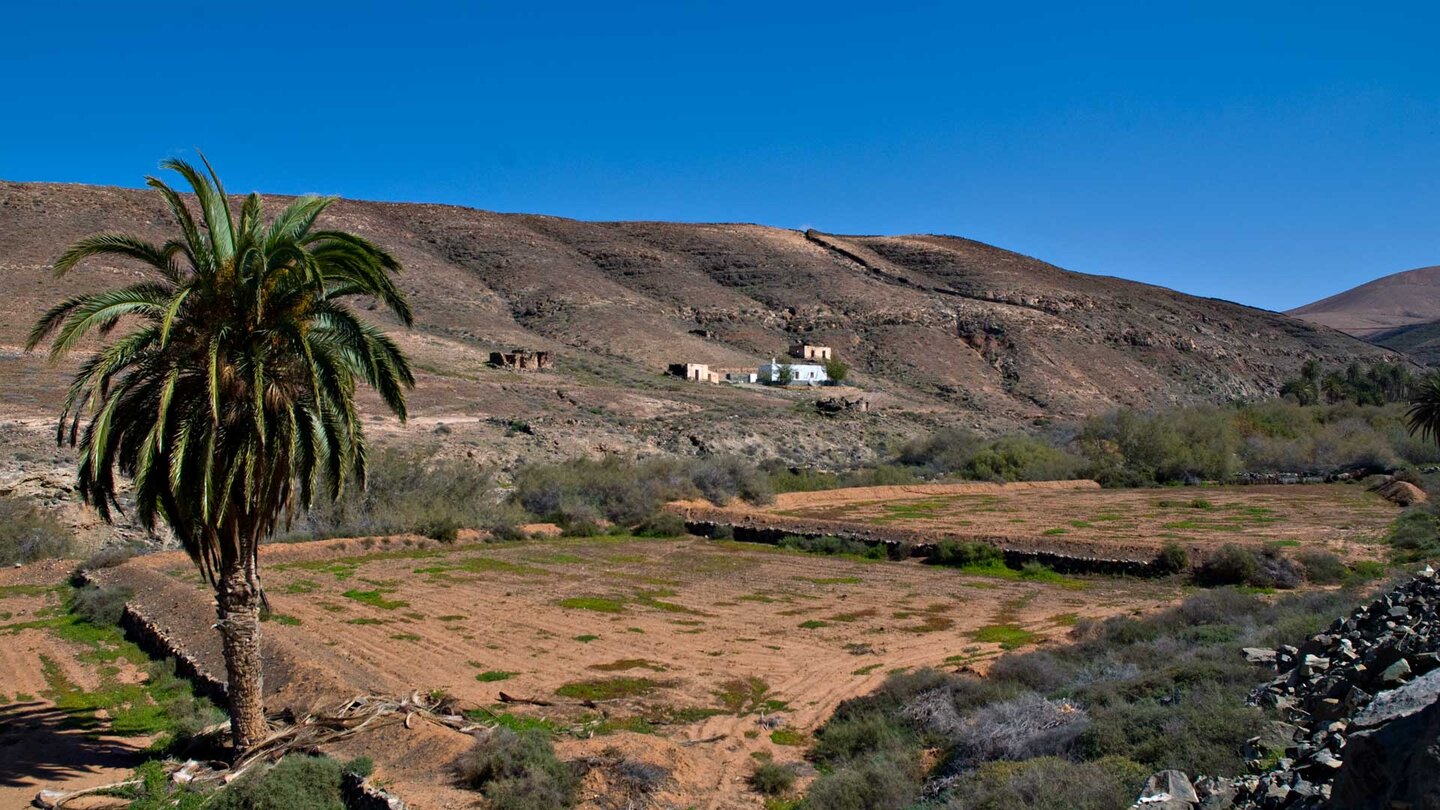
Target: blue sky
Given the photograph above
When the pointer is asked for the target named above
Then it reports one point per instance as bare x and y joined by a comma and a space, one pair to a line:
1268, 153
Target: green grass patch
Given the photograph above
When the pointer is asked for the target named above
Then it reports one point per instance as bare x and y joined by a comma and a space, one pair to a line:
786, 736
493, 675
813, 624
626, 664
280, 618
609, 688
587, 638
862, 671
302, 586
7, 591
1008, 636
375, 598
599, 604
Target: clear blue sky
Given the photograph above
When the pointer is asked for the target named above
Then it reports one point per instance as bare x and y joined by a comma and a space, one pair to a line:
1269, 153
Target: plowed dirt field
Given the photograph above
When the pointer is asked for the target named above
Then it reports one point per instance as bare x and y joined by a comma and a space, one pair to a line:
689, 654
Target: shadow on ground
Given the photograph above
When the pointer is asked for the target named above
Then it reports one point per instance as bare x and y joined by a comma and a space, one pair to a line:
41, 746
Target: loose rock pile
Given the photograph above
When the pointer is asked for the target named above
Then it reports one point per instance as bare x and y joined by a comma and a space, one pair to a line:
1361, 703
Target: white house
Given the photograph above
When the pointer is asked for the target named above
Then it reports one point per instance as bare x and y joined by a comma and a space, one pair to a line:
801, 373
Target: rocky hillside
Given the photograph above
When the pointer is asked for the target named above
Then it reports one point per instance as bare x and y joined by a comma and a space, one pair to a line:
1383, 305
939, 330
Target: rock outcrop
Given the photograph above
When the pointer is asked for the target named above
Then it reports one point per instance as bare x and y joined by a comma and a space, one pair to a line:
1361, 709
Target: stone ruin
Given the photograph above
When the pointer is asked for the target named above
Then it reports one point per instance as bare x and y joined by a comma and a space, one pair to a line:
521, 360
832, 406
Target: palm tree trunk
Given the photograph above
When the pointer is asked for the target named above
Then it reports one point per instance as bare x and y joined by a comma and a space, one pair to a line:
239, 609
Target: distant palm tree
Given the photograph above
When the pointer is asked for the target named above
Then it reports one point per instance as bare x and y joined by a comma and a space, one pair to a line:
230, 394
1424, 414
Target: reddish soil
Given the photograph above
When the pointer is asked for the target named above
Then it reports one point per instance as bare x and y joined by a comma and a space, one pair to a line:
1080, 519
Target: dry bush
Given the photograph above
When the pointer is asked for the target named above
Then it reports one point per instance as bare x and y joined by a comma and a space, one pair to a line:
1024, 727
28, 533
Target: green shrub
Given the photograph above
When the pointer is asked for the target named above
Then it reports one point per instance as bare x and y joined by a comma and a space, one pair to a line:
28, 534
1321, 567
518, 771
835, 546
1196, 727
771, 779
1415, 535
101, 604
580, 528
1021, 458
444, 528
296, 782
662, 524
956, 554
1048, 783
405, 492
1229, 565
628, 492
860, 735
1172, 559
877, 782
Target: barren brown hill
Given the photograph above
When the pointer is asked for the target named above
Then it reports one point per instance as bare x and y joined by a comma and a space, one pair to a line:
1383, 305
940, 330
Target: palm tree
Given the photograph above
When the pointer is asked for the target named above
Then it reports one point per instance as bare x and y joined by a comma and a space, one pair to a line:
1424, 414
228, 400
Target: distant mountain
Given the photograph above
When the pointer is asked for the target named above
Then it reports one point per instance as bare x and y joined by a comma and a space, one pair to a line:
1420, 342
1383, 305
938, 330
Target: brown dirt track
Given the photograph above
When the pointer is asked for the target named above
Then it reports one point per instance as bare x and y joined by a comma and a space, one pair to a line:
689, 615
1077, 518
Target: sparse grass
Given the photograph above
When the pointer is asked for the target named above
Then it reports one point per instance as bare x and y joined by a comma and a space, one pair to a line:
853, 616
832, 580
493, 675
790, 737
813, 624
626, 664
599, 604
587, 638
280, 618
610, 688
1008, 636
930, 624
742, 696
375, 599
405, 637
